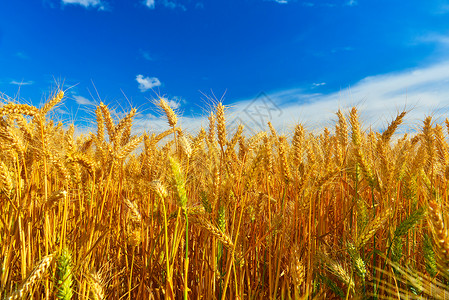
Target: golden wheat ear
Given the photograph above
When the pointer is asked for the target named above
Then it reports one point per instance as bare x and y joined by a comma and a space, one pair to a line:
440, 237
96, 283
37, 273
297, 269
171, 116
214, 231
23, 109
52, 103
221, 124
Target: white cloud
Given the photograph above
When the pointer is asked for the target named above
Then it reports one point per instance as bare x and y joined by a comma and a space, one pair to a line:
434, 38
158, 124
173, 5
146, 83
424, 90
173, 104
319, 4
315, 84
86, 3
61, 111
169, 4
149, 3
82, 100
281, 1
21, 82
166, 3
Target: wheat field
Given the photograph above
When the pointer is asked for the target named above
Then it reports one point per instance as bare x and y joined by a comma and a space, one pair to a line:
345, 214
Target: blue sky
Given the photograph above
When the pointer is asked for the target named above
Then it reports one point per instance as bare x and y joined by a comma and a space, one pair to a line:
308, 57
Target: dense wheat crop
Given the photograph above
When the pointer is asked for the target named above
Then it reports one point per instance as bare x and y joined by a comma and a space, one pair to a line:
347, 213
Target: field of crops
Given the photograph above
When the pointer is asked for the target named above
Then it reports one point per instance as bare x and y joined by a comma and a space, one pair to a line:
348, 213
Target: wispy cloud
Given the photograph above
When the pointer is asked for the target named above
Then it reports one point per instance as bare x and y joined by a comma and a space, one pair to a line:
61, 111
281, 1
317, 84
437, 38
21, 82
175, 102
424, 90
86, 3
82, 100
173, 5
146, 83
328, 4
149, 3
